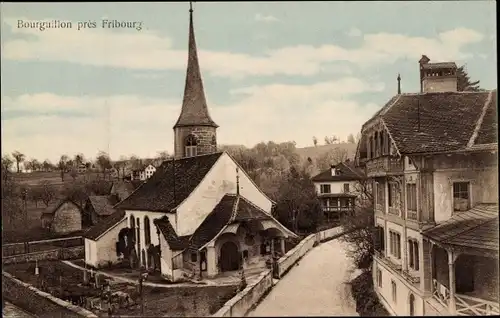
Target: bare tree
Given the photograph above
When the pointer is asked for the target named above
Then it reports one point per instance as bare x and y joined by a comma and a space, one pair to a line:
351, 139
103, 162
19, 157
331, 140
333, 157
7, 163
315, 141
63, 166
48, 192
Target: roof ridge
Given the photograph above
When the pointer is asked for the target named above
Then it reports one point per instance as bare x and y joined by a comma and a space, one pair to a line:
384, 111
479, 123
235, 209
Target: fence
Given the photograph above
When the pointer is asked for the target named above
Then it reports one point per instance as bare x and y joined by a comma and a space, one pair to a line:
39, 246
54, 254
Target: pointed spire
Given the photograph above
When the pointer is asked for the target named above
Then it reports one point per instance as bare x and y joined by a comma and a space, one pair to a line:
399, 84
194, 110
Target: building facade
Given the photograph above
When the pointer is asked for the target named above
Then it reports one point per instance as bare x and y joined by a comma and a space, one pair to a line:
432, 159
339, 188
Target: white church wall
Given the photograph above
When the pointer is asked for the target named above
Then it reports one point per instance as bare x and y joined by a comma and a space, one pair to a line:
220, 180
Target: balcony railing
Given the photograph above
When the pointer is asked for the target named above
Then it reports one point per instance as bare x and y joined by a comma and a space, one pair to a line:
384, 165
464, 305
411, 278
337, 209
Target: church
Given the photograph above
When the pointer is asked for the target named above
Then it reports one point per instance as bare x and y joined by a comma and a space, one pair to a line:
199, 214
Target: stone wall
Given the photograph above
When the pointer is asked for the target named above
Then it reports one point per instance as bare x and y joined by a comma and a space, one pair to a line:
54, 254
39, 303
204, 136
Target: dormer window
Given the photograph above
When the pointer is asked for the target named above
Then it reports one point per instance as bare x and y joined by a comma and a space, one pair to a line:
191, 146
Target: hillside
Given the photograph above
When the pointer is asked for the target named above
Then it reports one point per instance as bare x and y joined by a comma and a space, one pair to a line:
315, 152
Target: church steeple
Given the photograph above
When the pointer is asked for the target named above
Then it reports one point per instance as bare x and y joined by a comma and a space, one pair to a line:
194, 110
194, 131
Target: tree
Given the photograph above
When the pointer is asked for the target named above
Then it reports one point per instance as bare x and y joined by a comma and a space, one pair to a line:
77, 192
298, 206
19, 157
360, 227
46, 165
332, 157
331, 140
74, 174
464, 83
62, 166
315, 141
79, 159
7, 163
48, 192
104, 162
351, 139
11, 205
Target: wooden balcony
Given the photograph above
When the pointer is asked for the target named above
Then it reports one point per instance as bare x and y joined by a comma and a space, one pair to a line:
464, 305
337, 209
383, 166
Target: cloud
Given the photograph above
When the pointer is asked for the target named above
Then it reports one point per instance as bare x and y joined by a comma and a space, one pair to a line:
354, 32
128, 124
265, 18
148, 50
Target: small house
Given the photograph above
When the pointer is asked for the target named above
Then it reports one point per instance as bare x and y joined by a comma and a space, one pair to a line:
65, 217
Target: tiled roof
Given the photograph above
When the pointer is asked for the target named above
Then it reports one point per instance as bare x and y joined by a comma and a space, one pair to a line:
472, 228
194, 110
102, 226
53, 209
489, 127
348, 172
435, 122
214, 222
175, 242
103, 204
157, 195
123, 189
248, 211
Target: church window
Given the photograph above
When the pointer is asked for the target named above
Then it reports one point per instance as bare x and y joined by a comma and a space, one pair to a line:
214, 140
191, 146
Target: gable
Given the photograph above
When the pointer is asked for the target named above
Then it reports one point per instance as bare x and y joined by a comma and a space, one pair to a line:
221, 180
437, 122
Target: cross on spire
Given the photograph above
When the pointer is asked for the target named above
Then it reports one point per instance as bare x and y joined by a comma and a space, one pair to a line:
190, 6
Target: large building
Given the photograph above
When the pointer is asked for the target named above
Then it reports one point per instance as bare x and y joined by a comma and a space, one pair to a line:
433, 160
199, 213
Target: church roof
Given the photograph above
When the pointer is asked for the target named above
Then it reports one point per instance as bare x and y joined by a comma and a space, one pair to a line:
94, 232
194, 110
175, 242
164, 191
439, 122
230, 209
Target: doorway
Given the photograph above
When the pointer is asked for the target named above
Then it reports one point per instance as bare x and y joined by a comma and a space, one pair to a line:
229, 257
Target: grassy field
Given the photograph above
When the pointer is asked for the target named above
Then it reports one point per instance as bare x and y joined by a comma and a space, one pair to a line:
177, 302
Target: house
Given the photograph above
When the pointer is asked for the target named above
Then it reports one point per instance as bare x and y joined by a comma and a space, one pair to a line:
432, 157
65, 217
338, 188
98, 207
144, 173
199, 214
122, 189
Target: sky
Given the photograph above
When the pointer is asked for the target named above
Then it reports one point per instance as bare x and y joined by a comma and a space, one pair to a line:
280, 71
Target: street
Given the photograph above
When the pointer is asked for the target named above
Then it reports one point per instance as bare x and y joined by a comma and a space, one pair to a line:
315, 287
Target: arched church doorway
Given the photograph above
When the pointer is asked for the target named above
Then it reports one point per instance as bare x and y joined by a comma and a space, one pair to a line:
229, 257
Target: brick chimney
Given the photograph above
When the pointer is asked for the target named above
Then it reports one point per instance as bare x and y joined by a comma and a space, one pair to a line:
437, 77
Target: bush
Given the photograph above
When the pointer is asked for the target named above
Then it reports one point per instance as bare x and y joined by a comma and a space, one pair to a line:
367, 303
